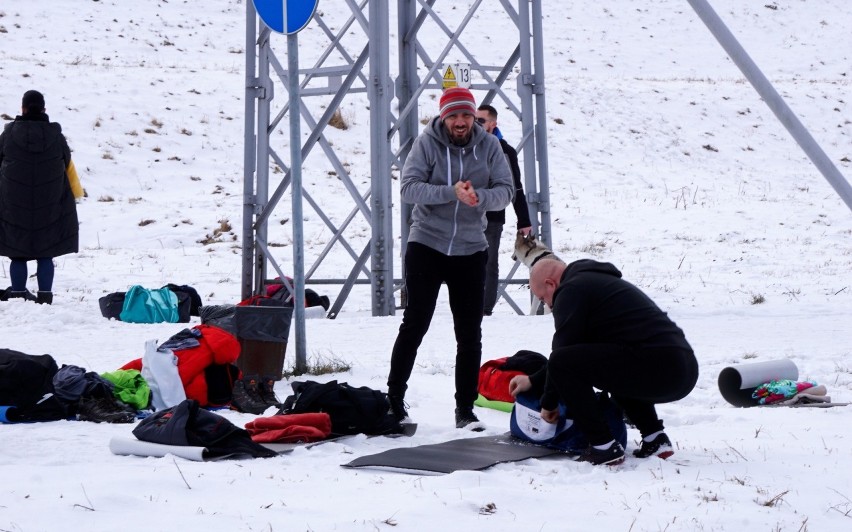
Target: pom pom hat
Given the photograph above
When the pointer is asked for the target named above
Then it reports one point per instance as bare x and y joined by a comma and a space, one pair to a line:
457, 100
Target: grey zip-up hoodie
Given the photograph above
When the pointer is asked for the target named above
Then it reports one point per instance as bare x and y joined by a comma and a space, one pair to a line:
439, 220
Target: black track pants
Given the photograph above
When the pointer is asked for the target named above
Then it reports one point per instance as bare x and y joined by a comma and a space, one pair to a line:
636, 378
425, 271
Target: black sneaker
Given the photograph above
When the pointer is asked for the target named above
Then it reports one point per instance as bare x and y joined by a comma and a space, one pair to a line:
104, 409
466, 419
612, 455
246, 396
266, 389
398, 409
660, 446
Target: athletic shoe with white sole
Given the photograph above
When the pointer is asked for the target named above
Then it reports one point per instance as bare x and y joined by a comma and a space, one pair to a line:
661, 447
612, 455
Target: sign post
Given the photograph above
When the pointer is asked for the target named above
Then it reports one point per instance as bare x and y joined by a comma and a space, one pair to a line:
289, 17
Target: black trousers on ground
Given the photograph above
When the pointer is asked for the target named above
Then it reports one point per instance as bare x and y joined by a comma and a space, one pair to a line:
636, 378
425, 271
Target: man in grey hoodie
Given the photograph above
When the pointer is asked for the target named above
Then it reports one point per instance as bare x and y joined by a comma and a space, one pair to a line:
455, 173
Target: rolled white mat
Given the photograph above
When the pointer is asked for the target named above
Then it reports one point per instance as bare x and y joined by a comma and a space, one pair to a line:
737, 383
132, 446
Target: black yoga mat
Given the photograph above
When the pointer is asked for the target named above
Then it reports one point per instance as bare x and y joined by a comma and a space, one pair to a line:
466, 454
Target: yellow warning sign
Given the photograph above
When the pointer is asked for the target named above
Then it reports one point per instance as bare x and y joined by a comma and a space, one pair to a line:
449, 78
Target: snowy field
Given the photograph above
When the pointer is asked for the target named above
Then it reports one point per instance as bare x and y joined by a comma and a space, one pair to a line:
663, 161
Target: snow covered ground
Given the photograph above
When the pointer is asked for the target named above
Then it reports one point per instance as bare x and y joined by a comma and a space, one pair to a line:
663, 161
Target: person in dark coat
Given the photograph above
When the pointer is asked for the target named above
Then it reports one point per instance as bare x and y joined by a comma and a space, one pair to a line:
486, 116
610, 336
38, 214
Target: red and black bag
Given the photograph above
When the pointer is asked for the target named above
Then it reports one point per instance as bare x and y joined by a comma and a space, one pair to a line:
494, 375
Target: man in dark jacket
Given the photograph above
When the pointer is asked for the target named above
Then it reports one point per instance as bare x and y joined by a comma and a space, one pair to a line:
486, 116
455, 172
38, 215
611, 336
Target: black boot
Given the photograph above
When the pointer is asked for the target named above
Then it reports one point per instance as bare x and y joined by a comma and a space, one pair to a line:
466, 419
25, 294
398, 409
246, 396
44, 297
266, 389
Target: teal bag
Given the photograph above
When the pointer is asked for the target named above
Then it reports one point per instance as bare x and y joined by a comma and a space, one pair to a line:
146, 305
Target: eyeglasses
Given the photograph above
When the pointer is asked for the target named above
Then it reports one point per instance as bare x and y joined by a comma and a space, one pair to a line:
480, 120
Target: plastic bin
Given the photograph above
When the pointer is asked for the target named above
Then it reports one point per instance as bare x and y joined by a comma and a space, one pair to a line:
262, 332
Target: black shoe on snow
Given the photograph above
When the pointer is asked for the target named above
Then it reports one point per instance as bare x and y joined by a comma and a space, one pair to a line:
104, 409
44, 297
398, 409
466, 419
660, 447
23, 294
246, 396
612, 455
266, 389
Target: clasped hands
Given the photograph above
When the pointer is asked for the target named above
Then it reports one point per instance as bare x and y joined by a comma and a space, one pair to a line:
466, 194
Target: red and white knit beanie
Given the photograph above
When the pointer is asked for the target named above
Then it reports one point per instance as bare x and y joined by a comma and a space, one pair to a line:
457, 100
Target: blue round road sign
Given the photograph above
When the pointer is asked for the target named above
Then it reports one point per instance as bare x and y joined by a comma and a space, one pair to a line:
296, 12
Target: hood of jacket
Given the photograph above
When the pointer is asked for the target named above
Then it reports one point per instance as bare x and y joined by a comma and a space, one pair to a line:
589, 265
438, 131
33, 133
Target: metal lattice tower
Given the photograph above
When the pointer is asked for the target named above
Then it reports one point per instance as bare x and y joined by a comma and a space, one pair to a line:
354, 62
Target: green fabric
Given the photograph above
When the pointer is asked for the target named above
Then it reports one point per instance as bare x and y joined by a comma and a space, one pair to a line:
503, 406
130, 387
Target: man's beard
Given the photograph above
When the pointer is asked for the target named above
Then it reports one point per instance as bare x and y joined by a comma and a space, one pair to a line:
461, 141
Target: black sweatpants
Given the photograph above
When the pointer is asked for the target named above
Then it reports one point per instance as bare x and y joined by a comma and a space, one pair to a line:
425, 270
636, 378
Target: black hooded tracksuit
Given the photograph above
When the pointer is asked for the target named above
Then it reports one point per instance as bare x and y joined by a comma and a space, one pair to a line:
611, 336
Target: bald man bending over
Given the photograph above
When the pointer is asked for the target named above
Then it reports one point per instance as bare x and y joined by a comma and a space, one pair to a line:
609, 335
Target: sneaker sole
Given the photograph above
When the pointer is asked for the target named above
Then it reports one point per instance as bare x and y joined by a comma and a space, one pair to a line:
613, 462
476, 426
664, 453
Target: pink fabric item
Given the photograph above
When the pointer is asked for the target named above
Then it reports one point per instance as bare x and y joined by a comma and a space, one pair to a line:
290, 428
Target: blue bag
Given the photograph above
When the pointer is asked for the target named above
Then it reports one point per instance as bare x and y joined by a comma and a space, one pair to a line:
146, 305
526, 424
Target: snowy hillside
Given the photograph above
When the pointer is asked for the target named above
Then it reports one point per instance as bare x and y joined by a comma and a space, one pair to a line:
663, 161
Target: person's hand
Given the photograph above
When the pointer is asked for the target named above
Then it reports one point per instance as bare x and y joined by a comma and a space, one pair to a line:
519, 384
466, 194
525, 231
551, 416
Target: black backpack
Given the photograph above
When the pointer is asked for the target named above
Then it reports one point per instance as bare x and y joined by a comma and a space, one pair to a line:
352, 410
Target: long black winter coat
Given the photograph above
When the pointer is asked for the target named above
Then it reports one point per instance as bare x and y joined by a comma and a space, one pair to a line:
38, 215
